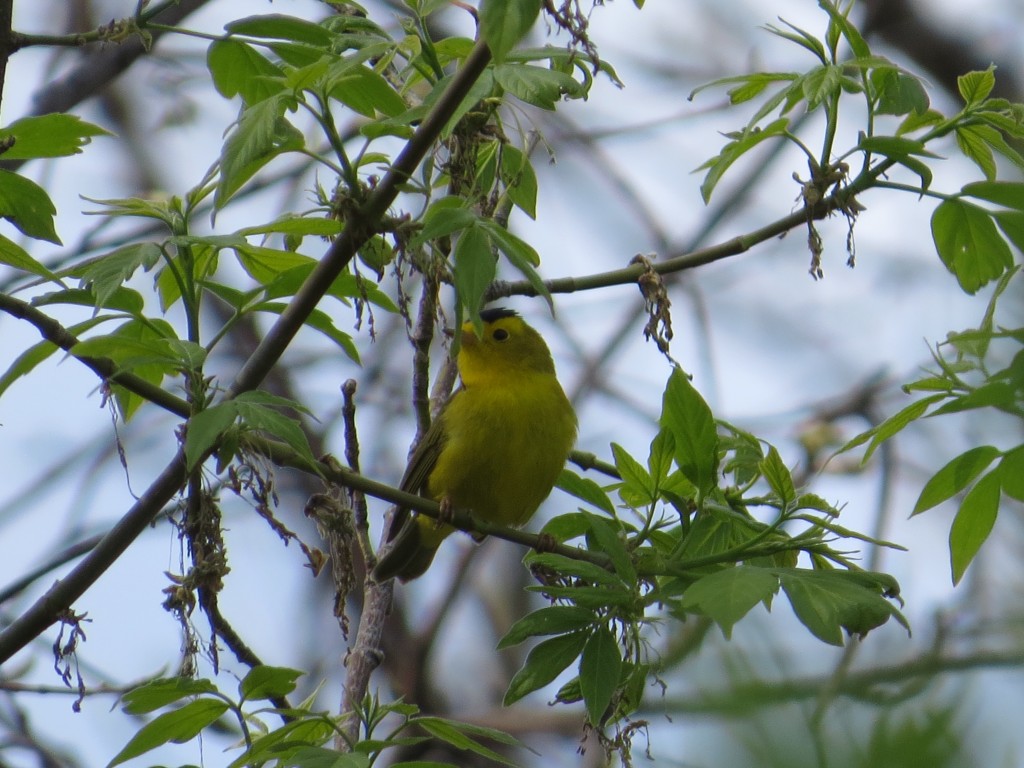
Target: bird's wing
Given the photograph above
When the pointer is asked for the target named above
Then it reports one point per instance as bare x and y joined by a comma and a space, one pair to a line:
421, 464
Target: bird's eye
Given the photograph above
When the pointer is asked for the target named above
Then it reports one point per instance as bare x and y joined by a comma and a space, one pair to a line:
500, 334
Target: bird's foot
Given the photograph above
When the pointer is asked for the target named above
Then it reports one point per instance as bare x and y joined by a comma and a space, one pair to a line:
446, 515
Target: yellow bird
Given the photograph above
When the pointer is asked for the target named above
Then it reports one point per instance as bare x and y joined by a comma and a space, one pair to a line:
497, 446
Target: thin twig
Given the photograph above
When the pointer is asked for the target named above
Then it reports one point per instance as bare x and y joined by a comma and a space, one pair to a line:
366, 653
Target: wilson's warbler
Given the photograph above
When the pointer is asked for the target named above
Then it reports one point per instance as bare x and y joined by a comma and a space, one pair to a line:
495, 449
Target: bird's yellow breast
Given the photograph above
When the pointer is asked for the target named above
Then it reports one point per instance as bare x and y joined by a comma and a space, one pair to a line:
505, 446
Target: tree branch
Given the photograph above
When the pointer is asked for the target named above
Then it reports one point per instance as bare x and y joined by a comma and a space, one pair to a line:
7, 46
698, 258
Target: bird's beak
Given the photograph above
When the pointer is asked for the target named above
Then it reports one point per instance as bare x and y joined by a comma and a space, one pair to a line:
469, 336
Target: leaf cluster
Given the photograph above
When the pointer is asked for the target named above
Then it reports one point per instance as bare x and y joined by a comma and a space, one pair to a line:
975, 369
682, 540
973, 241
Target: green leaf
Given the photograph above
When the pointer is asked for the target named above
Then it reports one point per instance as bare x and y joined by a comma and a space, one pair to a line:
916, 122
159, 693
140, 346
659, 458
503, 23
994, 139
27, 206
1009, 194
1011, 473
890, 427
817, 503
608, 541
747, 86
597, 598
716, 530
685, 414
239, 69
954, 477
279, 27
536, 85
13, 255
475, 268
903, 151
734, 150
728, 595
801, 37
277, 743
637, 482
261, 134
53, 135
481, 89
973, 523
520, 180
972, 142
779, 477
458, 735
969, 244
162, 210
544, 663
600, 667
520, 255
975, 86
269, 267
257, 414
585, 489
178, 726
580, 569
1011, 224
265, 682
270, 400
107, 273
839, 22
204, 428
896, 147
821, 84
291, 224
900, 94
994, 394
443, 217
194, 266
553, 620
369, 93
122, 300
826, 602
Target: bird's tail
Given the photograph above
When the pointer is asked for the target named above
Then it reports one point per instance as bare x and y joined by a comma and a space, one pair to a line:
412, 550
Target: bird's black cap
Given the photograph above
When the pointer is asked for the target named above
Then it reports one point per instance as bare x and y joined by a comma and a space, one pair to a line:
497, 313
